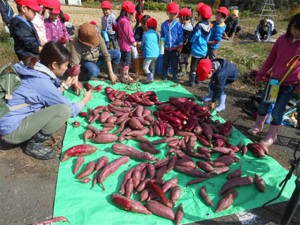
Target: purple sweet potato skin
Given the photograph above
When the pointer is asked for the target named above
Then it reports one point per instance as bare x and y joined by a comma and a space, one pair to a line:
129, 204
227, 200
179, 214
259, 183
160, 210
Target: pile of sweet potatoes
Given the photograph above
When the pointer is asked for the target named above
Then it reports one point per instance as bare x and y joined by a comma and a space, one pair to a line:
191, 138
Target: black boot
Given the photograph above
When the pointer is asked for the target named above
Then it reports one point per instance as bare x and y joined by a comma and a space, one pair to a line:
36, 148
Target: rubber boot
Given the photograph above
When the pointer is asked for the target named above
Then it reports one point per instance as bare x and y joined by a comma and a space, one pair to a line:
271, 136
36, 148
192, 79
149, 78
208, 98
221, 107
259, 125
125, 78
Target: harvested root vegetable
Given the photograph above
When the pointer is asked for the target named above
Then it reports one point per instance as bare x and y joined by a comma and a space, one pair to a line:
205, 197
129, 204
158, 191
175, 193
236, 182
259, 183
256, 149
179, 214
122, 149
53, 220
89, 169
78, 163
111, 168
160, 209
79, 150
235, 173
227, 200
105, 138
101, 162
129, 188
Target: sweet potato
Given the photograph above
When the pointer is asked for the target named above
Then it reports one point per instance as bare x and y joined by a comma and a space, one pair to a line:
205, 166
105, 138
148, 148
179, 214
223, 160
158, 191
136, 178
135, 124
104, 116
205, 197
236, 182
88, 134
220, 170
79, 162
160, 209
169, 184
191, 172
79, 150
129, 204
142, 185
226, 201
111, 168
175, 193
89, 169
93, 129
101, 162
121, 149
235, 173
196, 181
259, 183
151, 170
129, 188
256, 149
145, 194
222, 150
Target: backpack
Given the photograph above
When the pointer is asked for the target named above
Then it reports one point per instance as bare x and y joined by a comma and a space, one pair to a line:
9, 82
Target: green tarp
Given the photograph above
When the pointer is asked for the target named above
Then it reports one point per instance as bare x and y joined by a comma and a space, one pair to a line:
83, 205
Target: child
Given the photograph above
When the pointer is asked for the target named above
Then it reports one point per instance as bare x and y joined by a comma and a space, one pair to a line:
150, 49
26, 40
126, 39
139, 31
265, 30
232, 27
221, 73
199, 38
107, 21
55, 28
283, 57
47, 108
139, 12
217, 32
7, 14
172, 35
185, 19
39, 18
69, 26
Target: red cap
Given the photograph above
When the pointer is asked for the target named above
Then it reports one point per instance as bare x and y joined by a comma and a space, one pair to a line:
223, 10
93, 22
199, 6
106, 5
151, 22
173, 7
203, 68
205, 12
128, 6
51, 4
184, 12
33, 4
67, 17
56, 10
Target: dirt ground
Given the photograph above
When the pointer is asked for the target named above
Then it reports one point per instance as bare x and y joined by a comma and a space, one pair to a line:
28, 185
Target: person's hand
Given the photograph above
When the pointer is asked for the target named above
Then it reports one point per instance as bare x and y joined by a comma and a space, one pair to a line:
211, 105
113, 78
134, 44
87, 96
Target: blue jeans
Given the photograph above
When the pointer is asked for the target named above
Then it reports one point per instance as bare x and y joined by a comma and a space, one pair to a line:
170, 58
93, 68
125, 58
284, 96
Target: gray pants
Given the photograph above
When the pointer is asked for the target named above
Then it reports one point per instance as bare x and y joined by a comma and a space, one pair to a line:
149, 65
47, 120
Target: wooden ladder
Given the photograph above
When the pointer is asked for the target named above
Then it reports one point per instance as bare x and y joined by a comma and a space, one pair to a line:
268, 9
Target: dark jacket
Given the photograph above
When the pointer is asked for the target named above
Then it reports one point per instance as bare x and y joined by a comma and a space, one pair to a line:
26, 40
225, 74
7, 12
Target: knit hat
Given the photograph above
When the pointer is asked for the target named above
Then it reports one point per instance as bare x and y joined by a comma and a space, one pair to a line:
223, 10
184, 12
128, 6
296, 11
203, 69
88, 35
205, 12
106, 5
67, 17
32, 4
173, 7
151, 22
235, 12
